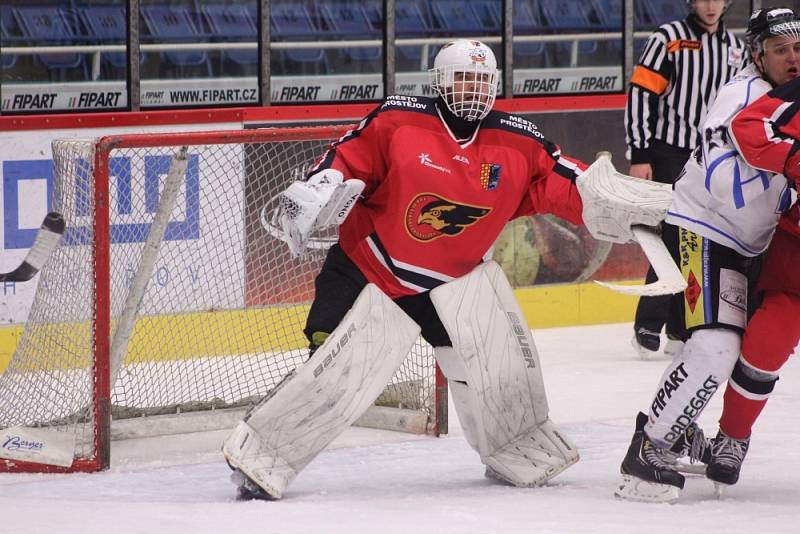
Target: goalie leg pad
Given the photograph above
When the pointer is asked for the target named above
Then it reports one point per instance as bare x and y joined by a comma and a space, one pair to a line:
533, 459
324, 396
496, 379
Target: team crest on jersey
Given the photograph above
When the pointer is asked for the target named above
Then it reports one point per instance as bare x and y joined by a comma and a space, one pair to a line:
490, 176
430, 216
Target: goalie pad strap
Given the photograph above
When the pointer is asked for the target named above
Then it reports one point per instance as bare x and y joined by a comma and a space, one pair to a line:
324, 396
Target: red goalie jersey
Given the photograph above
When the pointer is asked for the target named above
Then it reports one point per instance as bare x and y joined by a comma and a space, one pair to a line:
432, 206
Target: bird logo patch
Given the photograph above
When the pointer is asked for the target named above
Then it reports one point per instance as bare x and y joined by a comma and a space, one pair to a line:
430, 216
490, 175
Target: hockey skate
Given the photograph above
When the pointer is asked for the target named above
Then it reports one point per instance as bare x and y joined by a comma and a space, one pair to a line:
648, 473
646, 343
247, 490
694, 446
727, 455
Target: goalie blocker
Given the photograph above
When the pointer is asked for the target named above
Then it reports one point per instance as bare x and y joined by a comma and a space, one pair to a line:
493, 369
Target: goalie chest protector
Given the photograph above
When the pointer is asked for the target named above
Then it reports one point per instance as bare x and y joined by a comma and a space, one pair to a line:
433, 207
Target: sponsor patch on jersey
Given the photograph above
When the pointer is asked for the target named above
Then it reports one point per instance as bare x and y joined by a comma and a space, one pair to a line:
490, 176
693, 267
732, 298
735, 57
430, 216
683, 44
425, 159
692, 292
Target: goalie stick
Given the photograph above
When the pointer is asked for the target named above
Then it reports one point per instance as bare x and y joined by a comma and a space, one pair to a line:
670, 280
45, 243
603, 184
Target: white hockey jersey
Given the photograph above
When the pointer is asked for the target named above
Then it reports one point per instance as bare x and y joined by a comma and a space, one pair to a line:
720, 195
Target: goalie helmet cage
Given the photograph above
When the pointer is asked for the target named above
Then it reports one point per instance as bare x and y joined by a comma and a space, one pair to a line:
219, 323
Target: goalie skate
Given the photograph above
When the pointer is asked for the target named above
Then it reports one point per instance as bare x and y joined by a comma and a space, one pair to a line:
247, 490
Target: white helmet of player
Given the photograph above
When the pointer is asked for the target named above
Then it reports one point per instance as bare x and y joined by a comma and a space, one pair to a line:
465, 74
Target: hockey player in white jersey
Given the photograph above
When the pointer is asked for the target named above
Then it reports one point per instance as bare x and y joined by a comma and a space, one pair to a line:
723, 214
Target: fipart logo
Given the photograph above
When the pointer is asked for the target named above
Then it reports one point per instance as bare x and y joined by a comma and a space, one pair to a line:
32, 101
134, 182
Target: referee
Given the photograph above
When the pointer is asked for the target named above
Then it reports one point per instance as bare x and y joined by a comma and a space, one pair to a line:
683, 64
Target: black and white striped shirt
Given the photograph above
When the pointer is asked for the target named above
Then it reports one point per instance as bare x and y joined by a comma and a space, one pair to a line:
678, 75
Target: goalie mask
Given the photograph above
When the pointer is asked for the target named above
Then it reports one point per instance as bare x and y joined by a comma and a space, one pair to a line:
464, 73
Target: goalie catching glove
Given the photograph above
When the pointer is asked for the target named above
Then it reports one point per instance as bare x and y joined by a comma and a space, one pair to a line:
614, 202
325, 199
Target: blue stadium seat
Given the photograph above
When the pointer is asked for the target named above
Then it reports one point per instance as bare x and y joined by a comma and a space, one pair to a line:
528, 21
232, 22
609, 14
565, 16
348, 20
489, 15
660, 11
173, 24
6, 37
290, 21
455, 17
49, 25
108, 25
410, 22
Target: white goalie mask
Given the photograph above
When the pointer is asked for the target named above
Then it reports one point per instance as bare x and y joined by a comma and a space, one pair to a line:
464, 73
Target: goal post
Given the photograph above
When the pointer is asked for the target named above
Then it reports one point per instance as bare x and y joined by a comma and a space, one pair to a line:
215, 304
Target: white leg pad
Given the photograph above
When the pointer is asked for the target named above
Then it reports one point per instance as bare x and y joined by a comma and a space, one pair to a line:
533, 459
496, 379
324, 396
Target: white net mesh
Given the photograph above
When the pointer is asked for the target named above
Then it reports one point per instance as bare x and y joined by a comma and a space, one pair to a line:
220, 323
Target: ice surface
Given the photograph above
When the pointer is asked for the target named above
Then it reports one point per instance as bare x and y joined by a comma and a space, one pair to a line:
385, 482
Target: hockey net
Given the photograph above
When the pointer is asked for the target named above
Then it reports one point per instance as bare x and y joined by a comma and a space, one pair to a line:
219, 319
